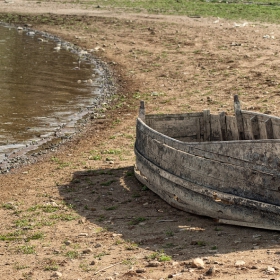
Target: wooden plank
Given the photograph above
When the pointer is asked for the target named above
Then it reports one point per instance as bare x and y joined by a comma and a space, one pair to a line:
255, 127
269, 129
232, 130
262, 129
248, 133
216, 132
223, 125
276, 128
198, 130
207, 125
238, 115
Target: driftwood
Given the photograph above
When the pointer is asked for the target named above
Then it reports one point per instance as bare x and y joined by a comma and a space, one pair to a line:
220, 166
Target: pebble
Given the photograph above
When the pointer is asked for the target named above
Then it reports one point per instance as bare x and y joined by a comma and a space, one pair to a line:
87, 251
270, 270
140, 270
239, 263
153, 264
197, 263
92, 263
56, 274
211, 271
67, 242
83, 234
97, 245
82, 221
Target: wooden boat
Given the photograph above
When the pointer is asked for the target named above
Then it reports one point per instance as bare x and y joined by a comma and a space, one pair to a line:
224, 167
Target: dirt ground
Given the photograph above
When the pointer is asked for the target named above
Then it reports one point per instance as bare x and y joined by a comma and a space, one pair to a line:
79, 212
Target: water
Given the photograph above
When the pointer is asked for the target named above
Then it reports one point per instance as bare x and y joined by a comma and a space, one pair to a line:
41, 87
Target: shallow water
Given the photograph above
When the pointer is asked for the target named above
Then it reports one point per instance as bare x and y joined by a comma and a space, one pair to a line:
41, 88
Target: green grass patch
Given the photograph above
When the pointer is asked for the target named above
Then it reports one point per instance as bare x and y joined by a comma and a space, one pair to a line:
26, 249
254, 10
137, 221
44, 208
63, 217
72, 254
8, 206
159, 256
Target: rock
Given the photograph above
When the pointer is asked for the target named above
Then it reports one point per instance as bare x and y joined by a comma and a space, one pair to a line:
270, 270
83, 234
87, 251
140, 270
97, 245
56, 274
153, 264
67, 242
92, 263
211, 271
82, 221
197, 263
254, 267
239, 263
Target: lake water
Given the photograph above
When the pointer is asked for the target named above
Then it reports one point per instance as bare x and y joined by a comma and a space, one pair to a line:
44, 84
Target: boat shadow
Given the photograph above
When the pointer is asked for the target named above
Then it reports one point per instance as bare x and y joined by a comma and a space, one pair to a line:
113, 200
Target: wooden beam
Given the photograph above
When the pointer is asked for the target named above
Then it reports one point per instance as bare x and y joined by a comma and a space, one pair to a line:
269, 129
255, 127
223, 126
207, 125
239, 119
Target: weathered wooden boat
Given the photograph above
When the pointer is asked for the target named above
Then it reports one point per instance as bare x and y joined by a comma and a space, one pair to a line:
224, 167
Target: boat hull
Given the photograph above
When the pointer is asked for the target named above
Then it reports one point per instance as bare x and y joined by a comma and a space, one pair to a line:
236, 182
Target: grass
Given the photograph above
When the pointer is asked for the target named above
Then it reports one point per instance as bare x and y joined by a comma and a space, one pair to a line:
18, 266
51, 268
111, 208
60, 163
72, 254
44, 208
231, 9
26, 249
8, 206
159, 256
63, 217
100, 255
169, 233
137, 221
11, 236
